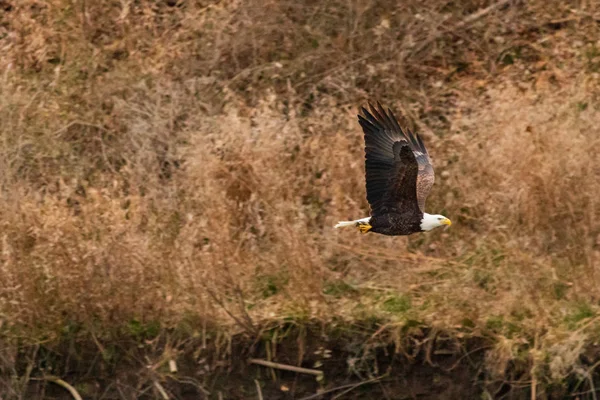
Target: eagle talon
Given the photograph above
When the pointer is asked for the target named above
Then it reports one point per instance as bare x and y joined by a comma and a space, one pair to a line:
364, 228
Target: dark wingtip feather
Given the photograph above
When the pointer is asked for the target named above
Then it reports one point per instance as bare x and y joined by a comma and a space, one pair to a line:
377, 114
421, 144
365, 110
395, 121
387, 117
361, 113
377, 117
371, 106
381, 110
413, 140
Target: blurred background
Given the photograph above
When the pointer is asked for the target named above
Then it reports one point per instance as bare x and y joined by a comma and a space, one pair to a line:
171, 171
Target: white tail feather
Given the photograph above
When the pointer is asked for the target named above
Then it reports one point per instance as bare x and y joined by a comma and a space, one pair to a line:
343, 224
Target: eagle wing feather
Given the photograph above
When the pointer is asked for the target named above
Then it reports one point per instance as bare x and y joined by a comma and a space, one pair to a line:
389, 167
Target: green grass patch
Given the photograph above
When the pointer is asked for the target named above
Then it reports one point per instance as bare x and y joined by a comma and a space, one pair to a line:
142, 330
581, 311
338, 289
270, 285
397, 304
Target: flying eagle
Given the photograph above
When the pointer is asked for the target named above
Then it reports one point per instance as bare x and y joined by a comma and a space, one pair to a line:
399, 177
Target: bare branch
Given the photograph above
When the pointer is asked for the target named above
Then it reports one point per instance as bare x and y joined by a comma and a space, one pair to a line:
285, 367
56, 380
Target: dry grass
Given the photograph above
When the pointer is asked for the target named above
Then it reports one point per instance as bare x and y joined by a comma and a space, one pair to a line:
164, 162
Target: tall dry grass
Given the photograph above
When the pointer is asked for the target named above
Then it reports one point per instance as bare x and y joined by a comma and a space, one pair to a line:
164, 162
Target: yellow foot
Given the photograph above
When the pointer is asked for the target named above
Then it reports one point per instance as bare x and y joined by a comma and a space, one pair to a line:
364, 227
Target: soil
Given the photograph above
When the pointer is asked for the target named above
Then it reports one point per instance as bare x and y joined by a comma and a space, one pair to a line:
423, 367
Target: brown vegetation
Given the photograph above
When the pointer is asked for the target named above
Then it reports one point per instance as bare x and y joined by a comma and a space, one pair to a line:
173, 166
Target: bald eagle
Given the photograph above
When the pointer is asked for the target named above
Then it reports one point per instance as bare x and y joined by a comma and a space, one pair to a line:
399, 177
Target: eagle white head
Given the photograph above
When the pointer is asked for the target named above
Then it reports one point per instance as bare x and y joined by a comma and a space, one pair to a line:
431, 221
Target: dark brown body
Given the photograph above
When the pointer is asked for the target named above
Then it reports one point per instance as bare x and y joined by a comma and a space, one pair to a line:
394, 224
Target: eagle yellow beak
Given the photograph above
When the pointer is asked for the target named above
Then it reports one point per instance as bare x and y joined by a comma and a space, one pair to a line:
446, 222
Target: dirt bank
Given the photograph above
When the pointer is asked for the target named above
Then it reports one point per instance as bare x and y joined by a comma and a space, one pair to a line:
355, 365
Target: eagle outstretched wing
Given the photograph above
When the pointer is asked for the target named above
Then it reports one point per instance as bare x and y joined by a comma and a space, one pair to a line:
396, 178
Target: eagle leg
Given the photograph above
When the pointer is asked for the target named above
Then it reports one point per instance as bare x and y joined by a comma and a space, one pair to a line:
363, 227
